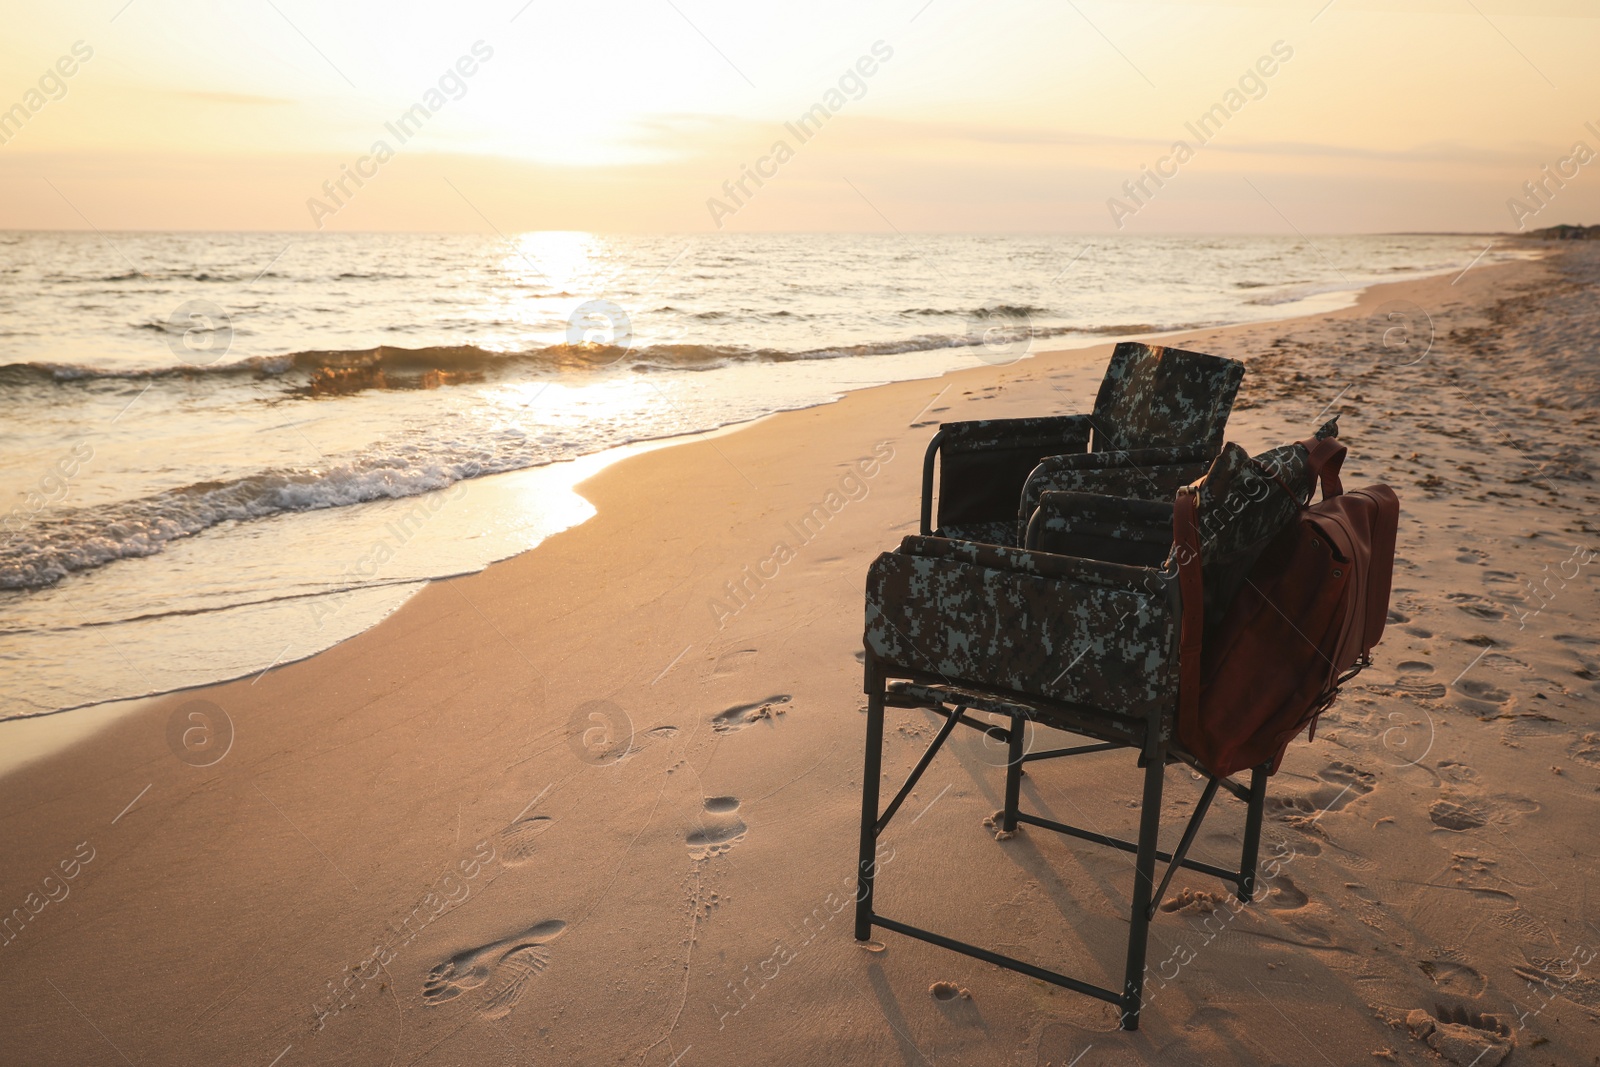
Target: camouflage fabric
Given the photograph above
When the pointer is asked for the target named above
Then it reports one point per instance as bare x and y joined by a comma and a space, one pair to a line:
1139, 474
1152, 400
1104, 527
1244, 504
1078, 631
1059, 433
988, 533
1153, 395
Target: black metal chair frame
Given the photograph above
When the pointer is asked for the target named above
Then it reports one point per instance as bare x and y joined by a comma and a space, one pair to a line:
1149, 736
1044, 436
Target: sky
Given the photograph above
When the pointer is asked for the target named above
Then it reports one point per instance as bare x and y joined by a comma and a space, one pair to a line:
683, 115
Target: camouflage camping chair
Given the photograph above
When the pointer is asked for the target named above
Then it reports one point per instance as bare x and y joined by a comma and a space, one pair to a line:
1079, 632
1157, 424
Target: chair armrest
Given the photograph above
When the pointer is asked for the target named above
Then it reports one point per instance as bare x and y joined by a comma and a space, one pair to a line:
1053, 565
1138, 474
984, 463
1093, 526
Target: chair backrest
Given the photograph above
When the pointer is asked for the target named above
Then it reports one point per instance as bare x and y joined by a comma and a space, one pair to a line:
983, 466
1164, 396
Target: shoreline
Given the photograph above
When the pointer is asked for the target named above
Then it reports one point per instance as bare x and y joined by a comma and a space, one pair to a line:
662, 785
567, 475
24, 744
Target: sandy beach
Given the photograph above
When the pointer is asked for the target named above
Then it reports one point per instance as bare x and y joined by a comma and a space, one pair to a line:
598, 802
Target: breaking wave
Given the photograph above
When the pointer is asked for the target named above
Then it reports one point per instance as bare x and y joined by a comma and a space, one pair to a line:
470, 360
40, 553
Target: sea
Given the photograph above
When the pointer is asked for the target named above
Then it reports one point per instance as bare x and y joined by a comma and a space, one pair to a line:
221, 452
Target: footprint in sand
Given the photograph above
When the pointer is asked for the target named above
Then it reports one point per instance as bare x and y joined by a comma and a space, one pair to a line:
1504, 806
1281, 894
1346, 784
741, 715
1588, 663
1459, 811
1452, 977
1586, 750
1351, 861
1290, 806
1453, 771
1525, 926
646, 738
1341, 785
1475, 605
1483, 693
1452, 815
1296, 849
1562, 976
517, 841
502, 970
719, 830
1411, 680
640, 741
1461, 1035
600, 733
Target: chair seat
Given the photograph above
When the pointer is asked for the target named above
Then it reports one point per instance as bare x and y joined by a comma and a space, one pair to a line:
1099, 725
984, 533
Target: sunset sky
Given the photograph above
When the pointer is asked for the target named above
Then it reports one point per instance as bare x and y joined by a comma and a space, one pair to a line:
630, 116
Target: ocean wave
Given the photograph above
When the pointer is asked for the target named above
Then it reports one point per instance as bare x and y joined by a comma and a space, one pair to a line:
397, 367
459, 360
1296, 292
37, 554
132, 275
41, 553
173, 326
1013, 311
1128, 329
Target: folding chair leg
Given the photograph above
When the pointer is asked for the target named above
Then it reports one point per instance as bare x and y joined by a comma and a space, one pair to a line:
1184, 842
867, 866
1144, 877
1013, 774
1252, 834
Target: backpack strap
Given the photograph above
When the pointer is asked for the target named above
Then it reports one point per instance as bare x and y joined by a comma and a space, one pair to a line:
1326, 457
1186, 544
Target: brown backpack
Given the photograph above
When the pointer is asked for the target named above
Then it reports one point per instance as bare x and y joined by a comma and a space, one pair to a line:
1303, 624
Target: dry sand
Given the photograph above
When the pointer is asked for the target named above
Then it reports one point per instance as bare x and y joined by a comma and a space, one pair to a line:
424, 847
